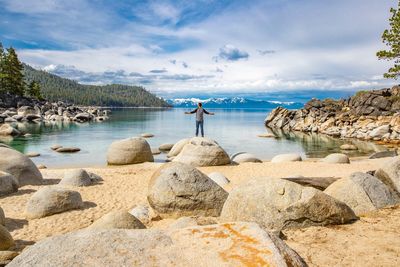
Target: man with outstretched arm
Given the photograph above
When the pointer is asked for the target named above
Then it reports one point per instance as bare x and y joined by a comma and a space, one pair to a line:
200, 118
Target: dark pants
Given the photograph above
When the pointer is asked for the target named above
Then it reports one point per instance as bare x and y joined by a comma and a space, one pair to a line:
201, 124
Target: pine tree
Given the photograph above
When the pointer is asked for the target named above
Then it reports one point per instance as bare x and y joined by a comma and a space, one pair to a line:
391, 38
34, 90
2, 75
13, 78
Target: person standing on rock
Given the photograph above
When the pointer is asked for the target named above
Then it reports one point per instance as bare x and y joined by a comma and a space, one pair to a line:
200, 118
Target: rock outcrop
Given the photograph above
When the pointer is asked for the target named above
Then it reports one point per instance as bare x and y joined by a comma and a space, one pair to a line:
177, 190
368, 115
222, 245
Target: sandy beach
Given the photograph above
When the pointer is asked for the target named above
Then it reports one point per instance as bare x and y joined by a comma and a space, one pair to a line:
370, 241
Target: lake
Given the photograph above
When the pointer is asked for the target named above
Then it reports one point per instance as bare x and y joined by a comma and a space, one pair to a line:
235, 130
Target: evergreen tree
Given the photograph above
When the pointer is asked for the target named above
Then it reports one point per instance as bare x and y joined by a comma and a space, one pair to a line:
391, 38
34, 90
13, 78
2, 75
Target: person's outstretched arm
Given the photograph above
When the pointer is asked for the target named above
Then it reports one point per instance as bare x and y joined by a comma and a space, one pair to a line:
208, 113
191, 112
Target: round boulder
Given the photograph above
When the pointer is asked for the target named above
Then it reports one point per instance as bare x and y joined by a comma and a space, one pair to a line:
245, 157
6, 240
177, 148
20, 166
277, 204
219, 178
336, 158
165, 147
129, 151
118, 220
286, 158
51, 200
389, 173
202, 151
362, 192
8, 184
177, 190
77, 177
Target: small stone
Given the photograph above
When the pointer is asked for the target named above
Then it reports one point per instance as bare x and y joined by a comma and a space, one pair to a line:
147, 135
55, 147
68, 149
32, 154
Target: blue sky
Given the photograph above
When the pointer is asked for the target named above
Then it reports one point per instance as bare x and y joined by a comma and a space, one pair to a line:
178, 48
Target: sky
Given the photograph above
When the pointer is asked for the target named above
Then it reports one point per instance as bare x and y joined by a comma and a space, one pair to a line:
204, 47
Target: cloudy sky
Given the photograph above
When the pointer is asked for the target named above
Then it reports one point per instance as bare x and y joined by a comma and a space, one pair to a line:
186, 47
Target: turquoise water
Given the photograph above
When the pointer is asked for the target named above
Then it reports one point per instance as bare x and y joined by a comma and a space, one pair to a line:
235, 130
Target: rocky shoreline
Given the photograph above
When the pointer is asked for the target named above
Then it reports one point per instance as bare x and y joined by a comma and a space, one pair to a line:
367, 115
15, 109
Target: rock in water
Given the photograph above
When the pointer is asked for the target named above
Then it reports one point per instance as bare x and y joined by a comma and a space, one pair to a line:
277, 204
8, 184
55, 147
51, 200
147, 135
129, 151
245, 157
202, 151
68, 149
389, 173
363, 193
78, 177
336, 158
219, 178
20, 166
118, 220
177, 148
230, 244
348, 147
32, 154
6, 240
178, 189
7, 129
155, 151
286, 158
165, 147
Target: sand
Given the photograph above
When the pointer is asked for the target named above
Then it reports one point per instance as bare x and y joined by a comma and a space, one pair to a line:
372, 241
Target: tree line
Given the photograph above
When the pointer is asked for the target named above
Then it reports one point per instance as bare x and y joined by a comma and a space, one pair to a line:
12, 78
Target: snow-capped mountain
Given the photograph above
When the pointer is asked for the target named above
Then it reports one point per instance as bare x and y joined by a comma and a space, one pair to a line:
234, 102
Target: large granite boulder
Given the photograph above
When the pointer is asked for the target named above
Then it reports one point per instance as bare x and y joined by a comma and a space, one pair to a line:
277, 204
51, 200
389, 173
77, 177
117, 220
177, 190
177, 148
129, 151
6, 240
7, 129
336, 158
20, 166
222, 245
8, 184
286, 158
245, 157
363, 193
202, 151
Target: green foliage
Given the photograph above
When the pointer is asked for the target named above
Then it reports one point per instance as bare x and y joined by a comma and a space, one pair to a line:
12, 78
391, 38
34, 90
55, 88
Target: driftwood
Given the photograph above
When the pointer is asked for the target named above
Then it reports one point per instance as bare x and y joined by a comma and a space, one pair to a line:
320, 183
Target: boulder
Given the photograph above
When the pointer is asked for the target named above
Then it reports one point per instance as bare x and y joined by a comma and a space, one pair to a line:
51, 200
202, 151
68, 149
147, 135
20, 166
230, 244
278, 204
245, 157
177, 148
379, 131
118, 220
383, 154
286, 158
363, 193
77, 177
83, 117
27, 110
129, 151
177, 190
6, 240
8, 184
336, 158
348, 147
2, 217
7, 129
219, 178
95, 178
165, 147
389, 173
